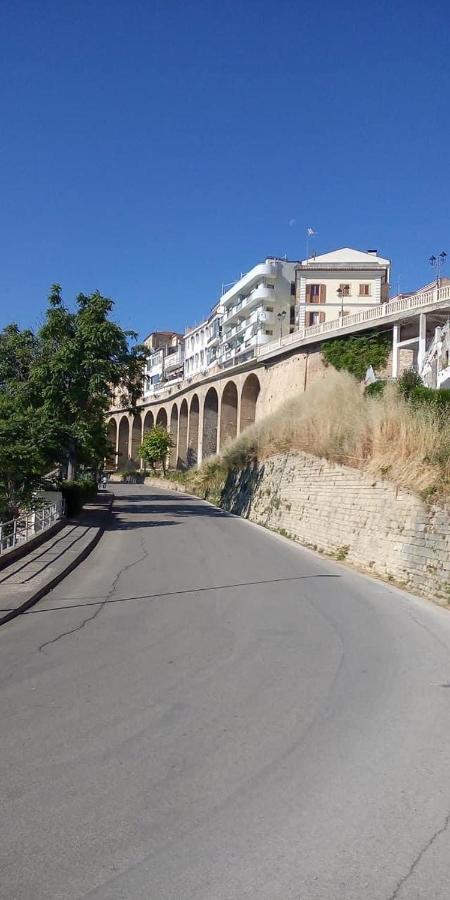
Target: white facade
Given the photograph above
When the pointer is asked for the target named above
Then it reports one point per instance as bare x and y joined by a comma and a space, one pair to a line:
257, 310
195, 356
165, 361
361, 276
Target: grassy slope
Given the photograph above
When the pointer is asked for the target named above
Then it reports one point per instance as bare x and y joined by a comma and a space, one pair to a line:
385, 436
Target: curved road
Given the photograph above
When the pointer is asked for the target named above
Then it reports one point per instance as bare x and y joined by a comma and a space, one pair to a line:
205, 711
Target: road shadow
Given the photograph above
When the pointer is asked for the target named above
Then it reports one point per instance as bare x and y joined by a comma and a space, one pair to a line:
149, 513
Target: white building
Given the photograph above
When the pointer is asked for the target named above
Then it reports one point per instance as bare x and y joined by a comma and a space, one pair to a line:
259, 308
195, 356
165, 360
339, 283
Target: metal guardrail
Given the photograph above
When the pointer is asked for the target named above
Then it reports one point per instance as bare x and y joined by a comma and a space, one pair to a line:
23, 528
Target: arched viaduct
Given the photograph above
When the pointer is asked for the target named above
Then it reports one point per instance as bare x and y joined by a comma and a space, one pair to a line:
201, 418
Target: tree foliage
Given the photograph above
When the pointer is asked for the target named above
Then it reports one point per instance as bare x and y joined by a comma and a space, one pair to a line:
155, 447
56, 386
356, 354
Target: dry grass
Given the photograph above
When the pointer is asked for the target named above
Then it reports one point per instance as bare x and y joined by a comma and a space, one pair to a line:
385, 436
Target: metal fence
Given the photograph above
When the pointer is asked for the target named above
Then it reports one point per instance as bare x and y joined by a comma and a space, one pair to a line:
24, 527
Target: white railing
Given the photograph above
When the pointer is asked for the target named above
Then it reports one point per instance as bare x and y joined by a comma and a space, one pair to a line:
373, 314
23, 528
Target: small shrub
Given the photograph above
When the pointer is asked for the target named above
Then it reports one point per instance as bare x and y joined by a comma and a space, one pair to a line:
76, 493
375, 389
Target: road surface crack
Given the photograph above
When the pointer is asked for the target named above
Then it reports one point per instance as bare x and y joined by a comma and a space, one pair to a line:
102, 603
418, 858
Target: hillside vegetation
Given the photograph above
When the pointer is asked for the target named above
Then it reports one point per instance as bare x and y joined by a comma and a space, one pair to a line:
385, 434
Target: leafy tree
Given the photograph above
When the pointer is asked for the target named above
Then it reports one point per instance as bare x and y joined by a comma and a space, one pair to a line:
23, 434
356, 354
55, 388
83, 358
155, 447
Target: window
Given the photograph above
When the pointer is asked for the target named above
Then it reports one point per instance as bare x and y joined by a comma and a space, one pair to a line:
269, 308
364, 290
314, 290
269, 331
345, 288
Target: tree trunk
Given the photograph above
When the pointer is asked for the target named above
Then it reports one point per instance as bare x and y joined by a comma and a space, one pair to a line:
72, 463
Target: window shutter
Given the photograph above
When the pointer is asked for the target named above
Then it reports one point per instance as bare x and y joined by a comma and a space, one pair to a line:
323, 294
322, 314
308, 293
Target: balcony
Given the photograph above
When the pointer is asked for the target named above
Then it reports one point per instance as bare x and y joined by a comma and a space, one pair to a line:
174, 360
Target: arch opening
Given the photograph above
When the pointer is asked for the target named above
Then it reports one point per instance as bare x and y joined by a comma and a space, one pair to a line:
136, 439
182, 436
173, 453
111, 434
149, 422
192, 443
161, 418
210, 419
249, 401
228, 414
124, 434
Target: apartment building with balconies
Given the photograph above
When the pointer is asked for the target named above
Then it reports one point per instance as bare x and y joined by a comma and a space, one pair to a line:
340, 283
258, 309
165, 361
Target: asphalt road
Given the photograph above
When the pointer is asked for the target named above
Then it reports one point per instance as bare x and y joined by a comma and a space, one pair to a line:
205, 711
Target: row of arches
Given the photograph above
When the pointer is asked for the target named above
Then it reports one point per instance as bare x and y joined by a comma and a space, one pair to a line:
198, 429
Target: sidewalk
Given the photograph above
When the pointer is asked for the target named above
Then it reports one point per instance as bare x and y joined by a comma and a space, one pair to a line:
24, 581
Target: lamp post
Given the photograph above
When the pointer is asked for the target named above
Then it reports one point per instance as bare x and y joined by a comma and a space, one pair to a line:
281, 317
340, 293
437, 262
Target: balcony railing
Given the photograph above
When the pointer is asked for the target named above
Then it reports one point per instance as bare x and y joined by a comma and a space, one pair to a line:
373, 314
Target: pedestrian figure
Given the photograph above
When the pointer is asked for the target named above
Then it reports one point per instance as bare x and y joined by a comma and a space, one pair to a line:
104, 482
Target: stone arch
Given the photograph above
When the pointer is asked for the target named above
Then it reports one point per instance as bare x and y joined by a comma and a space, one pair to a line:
194, 418
161, 418
228, 413
111, 458
210, 419
183, 435
249, 400
149, 422
124, 435
173, 454
136, 438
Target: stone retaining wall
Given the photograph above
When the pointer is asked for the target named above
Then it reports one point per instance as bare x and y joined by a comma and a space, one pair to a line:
344, 512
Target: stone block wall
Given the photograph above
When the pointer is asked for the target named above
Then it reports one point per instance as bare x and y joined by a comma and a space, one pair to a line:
346, 513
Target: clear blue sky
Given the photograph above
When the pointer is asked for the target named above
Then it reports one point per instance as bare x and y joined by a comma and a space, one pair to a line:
155, 149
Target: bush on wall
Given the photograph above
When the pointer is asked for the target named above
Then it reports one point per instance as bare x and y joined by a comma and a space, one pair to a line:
356, 354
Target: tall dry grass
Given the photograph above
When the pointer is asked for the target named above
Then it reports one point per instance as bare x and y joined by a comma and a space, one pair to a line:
385, 436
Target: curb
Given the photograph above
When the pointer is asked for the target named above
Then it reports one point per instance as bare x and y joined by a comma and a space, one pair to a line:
46, 588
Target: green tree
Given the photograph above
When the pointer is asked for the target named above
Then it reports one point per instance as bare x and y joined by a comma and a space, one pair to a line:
55, 388
23, 434
84, 357
155, 447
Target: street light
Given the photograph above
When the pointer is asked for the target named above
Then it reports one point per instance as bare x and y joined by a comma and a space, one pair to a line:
437, 262
340, 292
281, 317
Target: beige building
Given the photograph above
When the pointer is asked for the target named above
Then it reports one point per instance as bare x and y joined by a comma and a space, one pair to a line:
340, 283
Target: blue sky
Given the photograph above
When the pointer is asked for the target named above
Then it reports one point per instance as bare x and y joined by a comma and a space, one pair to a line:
154, 150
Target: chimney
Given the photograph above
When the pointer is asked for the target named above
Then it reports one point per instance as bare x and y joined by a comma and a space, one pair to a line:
372, 252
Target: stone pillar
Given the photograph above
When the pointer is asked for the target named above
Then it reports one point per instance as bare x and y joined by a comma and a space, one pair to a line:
422, 341
395, 350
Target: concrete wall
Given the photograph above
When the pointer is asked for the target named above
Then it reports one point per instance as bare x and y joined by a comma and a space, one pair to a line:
346, 513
